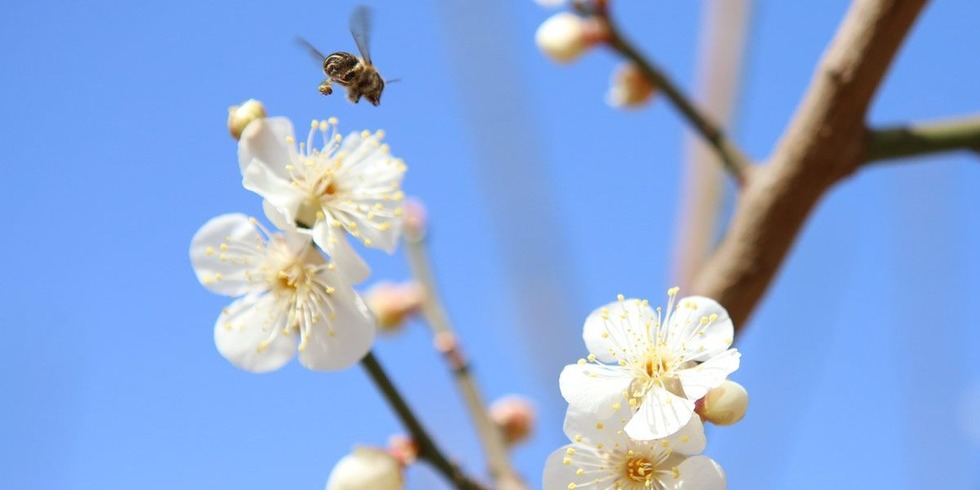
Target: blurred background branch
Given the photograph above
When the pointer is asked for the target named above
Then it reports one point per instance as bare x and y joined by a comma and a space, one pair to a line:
725, 27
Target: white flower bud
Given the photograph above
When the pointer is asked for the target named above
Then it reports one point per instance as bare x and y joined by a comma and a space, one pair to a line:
628, 88
240, 115
366, 468
515, 416
725, 404
393, 303
563, 37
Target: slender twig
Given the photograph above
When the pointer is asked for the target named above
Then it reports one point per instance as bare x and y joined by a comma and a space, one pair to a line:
447, 343
733, 159
428, 451
922, 138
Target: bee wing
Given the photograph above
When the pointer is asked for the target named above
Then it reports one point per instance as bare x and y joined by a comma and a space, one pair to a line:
360, 28
315, 53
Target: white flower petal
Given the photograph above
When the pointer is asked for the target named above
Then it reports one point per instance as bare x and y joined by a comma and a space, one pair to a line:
339, 342
585, 426
699, 473
661, 414
690, 439
260, 178
249, 334
618, 329
593, 388
265, 139
223, 271
333, 241
558, 475
276, 216
693, 330
369, 181
698, 380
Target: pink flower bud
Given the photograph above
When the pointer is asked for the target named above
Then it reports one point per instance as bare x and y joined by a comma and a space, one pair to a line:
393, 303
515, 416
416, 219
628, 88
403, 448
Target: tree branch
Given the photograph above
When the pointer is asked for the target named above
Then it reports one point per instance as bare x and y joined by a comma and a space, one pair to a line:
825, 142
733, 159
428, 450
923, 138
447, 343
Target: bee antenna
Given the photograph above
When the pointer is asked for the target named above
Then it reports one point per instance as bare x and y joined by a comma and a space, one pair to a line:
392, 80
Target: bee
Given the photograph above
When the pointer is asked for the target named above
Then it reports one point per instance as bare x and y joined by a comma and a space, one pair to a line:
357, 74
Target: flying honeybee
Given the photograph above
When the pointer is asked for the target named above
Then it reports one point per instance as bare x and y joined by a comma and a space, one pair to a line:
357, 74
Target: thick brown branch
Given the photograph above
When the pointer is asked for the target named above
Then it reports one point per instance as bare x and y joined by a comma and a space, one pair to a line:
922, 138
825, 142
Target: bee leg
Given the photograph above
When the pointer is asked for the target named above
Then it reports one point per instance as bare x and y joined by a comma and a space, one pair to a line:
325, 87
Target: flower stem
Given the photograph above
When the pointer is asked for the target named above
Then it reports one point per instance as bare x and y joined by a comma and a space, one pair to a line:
447, 343
733, 159
428, 450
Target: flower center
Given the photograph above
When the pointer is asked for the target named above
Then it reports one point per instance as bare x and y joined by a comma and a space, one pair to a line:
640, 469
655, 366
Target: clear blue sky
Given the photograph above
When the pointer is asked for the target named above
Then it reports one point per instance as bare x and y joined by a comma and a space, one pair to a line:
863, 362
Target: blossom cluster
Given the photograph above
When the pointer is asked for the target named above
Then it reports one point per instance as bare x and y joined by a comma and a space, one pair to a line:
636, 402
295, 284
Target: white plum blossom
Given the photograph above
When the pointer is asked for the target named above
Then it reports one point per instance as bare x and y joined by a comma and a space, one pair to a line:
290, 298
367, 468
327, 185
603, 457
657, 363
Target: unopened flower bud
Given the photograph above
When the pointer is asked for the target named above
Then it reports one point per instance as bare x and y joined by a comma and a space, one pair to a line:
724, 404
515, 416
240, 115
563, 37
628, 88
403, 448
416, 219
393, 303
367, 468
